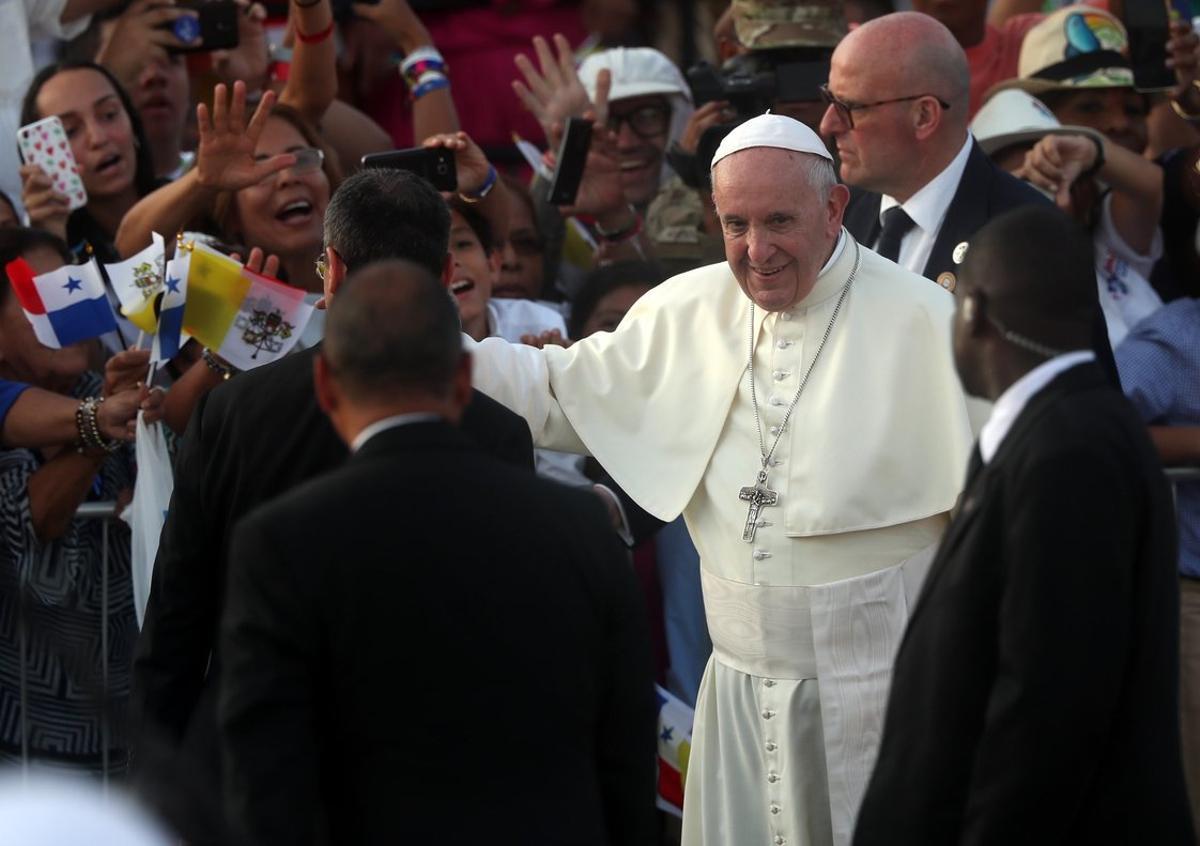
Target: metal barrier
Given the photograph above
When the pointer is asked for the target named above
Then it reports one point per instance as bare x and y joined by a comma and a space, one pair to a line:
105, 511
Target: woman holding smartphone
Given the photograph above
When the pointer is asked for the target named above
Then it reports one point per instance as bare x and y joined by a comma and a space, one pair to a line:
110, 150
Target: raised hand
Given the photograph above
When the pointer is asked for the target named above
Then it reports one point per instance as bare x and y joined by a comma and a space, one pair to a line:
553, 91
469, 161
398, 20
251, 59
140, 36
1056, 161
260, 262
48, 209
225, 156
710, 114
1183, 55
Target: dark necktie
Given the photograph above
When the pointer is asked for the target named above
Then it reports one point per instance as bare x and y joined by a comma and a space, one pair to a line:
896, 224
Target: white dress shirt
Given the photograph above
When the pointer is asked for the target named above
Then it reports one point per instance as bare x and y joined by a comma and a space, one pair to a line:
1013, 401
927, 208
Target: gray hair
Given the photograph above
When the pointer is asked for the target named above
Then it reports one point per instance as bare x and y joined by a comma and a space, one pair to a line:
819, 173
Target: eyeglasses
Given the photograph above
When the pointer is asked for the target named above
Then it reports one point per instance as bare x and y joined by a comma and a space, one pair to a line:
646, 122
308, 159
846, 109
322, 265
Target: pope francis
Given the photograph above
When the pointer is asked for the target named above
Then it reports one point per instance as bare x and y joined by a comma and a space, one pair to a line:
799, 405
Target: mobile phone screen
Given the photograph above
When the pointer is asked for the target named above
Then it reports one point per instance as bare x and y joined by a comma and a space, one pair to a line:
1146, 24
571, 159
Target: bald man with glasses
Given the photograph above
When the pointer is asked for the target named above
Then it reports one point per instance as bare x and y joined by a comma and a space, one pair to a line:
896, 111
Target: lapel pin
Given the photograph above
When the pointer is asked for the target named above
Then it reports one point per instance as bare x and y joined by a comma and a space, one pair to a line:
960, 252
947, 281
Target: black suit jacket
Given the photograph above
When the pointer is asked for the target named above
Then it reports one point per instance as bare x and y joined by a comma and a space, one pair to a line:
984, 191
429, 646
249, 440
1035, 695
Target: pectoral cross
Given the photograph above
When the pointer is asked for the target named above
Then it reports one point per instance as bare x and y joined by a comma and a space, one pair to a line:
759, 496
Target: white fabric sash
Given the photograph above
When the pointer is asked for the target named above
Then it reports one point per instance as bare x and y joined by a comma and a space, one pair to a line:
760, 630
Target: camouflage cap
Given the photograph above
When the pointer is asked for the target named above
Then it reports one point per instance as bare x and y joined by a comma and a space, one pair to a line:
764, 24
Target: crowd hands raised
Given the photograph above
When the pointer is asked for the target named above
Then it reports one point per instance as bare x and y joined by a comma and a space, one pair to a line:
244, 147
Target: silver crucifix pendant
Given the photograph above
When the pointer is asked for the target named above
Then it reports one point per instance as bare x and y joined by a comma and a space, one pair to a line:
759, 496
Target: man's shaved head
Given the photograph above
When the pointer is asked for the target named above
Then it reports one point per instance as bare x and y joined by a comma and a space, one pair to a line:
916, 51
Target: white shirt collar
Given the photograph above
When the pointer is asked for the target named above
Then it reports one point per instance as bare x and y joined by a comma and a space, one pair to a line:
837, 251
390, 423
1013, 401
928, 206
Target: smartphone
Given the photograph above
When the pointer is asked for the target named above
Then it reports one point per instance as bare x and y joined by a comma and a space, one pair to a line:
215, 24
45, 144
1146, 22
571, 159
435, 164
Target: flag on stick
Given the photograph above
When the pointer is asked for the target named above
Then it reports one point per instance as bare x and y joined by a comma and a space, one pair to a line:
170, 337
244, 317
64, 306
674, 748
138, 281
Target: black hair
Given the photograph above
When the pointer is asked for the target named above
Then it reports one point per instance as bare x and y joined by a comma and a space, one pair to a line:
16, 241
478, 223
381, 213
603, 281
393, 330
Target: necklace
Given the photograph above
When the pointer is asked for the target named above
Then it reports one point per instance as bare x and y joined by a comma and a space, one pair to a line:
759, 495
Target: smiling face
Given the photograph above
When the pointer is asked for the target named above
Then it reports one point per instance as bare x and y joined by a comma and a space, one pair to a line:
474, 274
778, 232
640, 151
22, 356
97, 127
283, 214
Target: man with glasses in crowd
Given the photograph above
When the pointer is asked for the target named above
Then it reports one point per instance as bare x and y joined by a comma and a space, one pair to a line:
923, 186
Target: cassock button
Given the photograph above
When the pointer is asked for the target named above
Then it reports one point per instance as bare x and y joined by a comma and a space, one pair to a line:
775, 809
768, 682
771, 746
775, 462
760, 554
772, 778
947, 281
778, 402
783, 344
780, 375
779, 841
768, 714
785, 315
775, 430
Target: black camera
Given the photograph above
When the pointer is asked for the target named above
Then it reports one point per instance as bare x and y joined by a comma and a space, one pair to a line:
752, 83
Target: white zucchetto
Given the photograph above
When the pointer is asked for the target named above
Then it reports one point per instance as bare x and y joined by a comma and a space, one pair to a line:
770, 130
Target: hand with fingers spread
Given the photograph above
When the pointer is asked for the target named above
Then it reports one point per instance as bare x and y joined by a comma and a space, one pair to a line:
251, 59
140, 35
225, 156
470, 163
260, 262
553, 91
1056, 161
600, 194
48, 209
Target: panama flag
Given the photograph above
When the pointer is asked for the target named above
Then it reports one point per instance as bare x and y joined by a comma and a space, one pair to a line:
137, 282
244, 317
169, 335
65, 306
674, 749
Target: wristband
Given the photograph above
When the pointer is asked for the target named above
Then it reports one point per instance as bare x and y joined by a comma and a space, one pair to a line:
315, 38
432, 81
483, 190
625, 233
216, 365
421, 60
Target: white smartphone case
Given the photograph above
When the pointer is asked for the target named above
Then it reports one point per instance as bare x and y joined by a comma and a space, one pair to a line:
45, 144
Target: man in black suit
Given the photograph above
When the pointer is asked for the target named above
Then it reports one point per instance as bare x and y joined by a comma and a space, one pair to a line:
898, 113
427, 645
250, 440
1035, 693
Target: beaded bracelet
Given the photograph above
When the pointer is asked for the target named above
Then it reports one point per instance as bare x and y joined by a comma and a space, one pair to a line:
88, 426
483, 190
616, 236
421, 61
216, 365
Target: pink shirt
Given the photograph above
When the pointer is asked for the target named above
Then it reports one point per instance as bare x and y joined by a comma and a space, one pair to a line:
995, 58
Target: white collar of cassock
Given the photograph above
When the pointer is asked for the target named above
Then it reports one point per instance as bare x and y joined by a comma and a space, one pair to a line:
1013, 401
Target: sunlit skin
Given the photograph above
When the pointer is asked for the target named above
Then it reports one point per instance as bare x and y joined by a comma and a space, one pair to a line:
474, 273
98, 129
161, 98
22, 356
778, 233
610, 308
283, 214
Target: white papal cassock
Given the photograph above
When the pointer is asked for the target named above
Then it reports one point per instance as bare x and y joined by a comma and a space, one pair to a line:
806, 619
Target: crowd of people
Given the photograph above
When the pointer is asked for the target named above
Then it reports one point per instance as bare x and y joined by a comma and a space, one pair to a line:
835, 405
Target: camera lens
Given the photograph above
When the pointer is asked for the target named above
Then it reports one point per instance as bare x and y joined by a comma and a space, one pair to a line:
186, 29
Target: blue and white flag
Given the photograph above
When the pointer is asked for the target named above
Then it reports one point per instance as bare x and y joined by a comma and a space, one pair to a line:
64, 306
